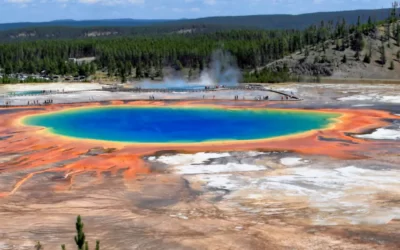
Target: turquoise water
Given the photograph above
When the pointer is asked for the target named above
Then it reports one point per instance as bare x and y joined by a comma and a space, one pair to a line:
31, 92
168, 124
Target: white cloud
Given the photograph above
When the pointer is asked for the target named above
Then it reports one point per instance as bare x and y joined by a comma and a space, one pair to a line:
18, 1
111, 2
180, 10
210, 2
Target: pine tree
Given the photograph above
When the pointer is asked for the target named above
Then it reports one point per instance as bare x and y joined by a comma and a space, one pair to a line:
97, 245
86, 245
344, 59
111, 67
369, 23
397, 33
93, 68
398, 39
80, 235
393, 15
38, 246
62, 247
391, 67
357, 43
383, 54
139, 72
122, 72
190, 74
128, 68
178, 65
367, 58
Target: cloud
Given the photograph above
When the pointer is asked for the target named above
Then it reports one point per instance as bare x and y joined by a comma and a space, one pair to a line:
18, 1
180, 10
111, 2
210, 2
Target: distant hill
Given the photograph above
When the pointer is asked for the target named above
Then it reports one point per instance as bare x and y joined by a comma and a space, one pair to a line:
289, 21
71, 29
85, 23
260, 21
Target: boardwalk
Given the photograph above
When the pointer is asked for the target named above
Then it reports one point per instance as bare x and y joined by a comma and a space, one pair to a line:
114, 94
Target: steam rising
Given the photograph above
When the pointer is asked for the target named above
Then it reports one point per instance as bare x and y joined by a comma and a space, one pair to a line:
223, 70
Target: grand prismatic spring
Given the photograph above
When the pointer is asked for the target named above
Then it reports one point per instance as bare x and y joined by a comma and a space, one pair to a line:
194, 170
178, 125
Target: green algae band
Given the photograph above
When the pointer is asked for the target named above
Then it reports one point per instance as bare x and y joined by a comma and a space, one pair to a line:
178, 125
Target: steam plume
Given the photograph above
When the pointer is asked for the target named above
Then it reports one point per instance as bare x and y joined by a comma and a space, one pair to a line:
223, 70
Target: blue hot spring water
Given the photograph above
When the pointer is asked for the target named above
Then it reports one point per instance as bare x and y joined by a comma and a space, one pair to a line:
178, 124
22, 93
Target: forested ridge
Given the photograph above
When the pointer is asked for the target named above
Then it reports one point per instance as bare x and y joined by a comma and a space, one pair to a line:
270, 22
145, 56
84, 23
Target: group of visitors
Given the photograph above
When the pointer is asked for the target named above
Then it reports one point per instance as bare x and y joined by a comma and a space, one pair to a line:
49, 101
33, 102
214, 87
260, 98
52, 91
151, 97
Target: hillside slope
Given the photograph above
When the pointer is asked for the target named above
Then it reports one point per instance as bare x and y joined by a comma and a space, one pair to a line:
330, 63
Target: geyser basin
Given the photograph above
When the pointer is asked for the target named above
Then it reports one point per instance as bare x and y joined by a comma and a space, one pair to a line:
178, 124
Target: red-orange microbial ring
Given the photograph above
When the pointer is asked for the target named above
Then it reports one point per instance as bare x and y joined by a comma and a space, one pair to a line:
36, 151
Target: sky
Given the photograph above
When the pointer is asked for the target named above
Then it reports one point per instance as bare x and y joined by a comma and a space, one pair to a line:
47, 10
